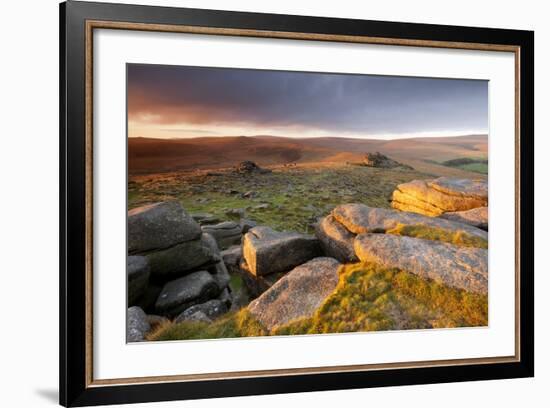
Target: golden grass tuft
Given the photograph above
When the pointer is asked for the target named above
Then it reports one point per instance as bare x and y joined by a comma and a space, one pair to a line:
371, 298
367, 298
235, 324
459, 238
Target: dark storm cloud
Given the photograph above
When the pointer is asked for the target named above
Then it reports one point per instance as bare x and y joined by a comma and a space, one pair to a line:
329, 102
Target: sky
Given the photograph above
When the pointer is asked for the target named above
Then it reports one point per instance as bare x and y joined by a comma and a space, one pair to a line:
181, 102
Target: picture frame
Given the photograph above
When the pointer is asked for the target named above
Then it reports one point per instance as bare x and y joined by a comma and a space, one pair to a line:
78, 23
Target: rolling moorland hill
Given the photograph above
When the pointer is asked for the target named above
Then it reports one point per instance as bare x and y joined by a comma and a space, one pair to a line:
147, 155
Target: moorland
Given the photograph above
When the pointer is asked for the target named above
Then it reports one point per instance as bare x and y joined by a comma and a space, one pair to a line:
293, 185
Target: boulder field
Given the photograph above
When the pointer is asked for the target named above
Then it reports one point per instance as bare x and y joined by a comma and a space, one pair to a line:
172, 264
179, 265
357, 232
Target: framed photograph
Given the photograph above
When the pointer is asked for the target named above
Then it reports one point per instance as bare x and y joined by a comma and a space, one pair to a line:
256, 203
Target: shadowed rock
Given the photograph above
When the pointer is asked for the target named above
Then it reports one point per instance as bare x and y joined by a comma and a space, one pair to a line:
257, 284
232, 256
212, 309
298, 294
336, 240
478, 217
205, 218
137, 324
220, 274
148, 299
267, 251
138, 277
179, 259
247, 225
458, 267
182, 293
443, 194
210, 242
226, 297
160, 225
226, 233
359, 218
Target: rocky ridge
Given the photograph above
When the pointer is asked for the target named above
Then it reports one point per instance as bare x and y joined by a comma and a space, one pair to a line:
377, 159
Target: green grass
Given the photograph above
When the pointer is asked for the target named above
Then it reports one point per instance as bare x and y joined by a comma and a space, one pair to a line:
367, 298
236, 282
295, 196
460, 238
477, 164
482, 168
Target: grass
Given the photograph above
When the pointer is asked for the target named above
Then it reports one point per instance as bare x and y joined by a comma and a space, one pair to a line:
236, 283
295, 197
370, 298
235, 324
477, 165
482, 168
459, 238
367, 298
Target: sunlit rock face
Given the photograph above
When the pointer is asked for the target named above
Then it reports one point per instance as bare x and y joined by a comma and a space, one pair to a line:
444, 194
458, 267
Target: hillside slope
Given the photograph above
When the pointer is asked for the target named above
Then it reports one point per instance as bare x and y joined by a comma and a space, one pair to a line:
424, 154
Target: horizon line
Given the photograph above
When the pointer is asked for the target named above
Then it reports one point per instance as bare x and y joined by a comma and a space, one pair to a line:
381, 137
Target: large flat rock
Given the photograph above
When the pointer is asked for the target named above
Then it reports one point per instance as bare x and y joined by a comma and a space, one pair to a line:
478, 217
336, 240
359, 219
160, 225
457, 267
298, 294
444, 194
476, 189
267, 251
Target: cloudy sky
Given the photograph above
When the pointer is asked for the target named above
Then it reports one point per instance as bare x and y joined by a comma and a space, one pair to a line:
178, 101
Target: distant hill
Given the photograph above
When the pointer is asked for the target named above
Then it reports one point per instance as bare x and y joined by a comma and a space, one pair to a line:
147, 155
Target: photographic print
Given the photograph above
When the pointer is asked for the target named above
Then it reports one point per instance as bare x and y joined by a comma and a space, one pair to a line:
264, 203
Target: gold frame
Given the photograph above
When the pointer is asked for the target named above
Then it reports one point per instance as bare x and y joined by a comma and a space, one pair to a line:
99, 24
